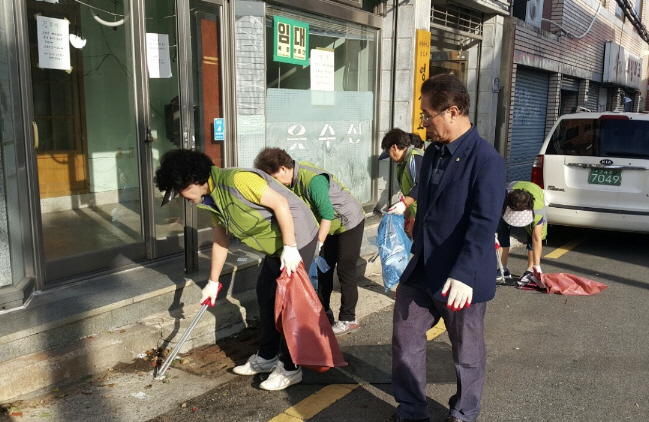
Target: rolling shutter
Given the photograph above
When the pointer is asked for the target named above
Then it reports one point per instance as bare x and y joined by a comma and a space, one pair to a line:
528, 122
569, 84
593, 96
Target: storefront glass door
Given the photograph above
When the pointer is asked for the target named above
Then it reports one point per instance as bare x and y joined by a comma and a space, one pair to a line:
86, 137
210, 125
165, 115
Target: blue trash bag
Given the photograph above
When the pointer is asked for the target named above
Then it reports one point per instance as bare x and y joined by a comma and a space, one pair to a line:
317, 263
394, 249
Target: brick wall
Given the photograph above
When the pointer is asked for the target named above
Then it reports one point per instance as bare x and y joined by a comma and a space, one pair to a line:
583, 58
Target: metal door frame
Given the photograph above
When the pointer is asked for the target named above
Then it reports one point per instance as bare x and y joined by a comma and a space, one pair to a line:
187, 102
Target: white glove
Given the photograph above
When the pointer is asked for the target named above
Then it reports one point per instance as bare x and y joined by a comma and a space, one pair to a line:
537, 276
317, 248
399, 208
290, 259
210, 292
460, 294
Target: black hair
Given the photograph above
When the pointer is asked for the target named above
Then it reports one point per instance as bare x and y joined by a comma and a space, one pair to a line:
401, 139
269, 160
446, 90
180, 168
520, 200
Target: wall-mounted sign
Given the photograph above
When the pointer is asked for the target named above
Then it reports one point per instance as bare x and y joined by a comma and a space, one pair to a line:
53, 43
219, 129
422, 69
291, 41
621, 67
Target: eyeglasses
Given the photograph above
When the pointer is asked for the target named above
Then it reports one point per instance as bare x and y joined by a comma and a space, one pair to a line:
426, 119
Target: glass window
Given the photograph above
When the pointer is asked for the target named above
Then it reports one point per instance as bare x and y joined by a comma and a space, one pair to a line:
84, 108
319, 102
165, 108
604, 137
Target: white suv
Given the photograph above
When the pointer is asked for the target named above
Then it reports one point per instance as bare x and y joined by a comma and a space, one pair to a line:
594, 169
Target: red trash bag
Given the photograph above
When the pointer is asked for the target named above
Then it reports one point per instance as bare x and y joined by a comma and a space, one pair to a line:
300, 317
570, 284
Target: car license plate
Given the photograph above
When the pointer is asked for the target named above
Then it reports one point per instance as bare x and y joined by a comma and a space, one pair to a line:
605, 177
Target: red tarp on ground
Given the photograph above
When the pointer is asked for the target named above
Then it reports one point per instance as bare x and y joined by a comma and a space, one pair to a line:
300, 317
568, 284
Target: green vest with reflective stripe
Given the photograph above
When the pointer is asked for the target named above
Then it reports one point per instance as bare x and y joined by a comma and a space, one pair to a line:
253, 224
539, 204
348, 212
405, 179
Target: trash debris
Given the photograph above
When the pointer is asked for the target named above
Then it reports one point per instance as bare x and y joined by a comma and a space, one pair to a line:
139, 395
156, 356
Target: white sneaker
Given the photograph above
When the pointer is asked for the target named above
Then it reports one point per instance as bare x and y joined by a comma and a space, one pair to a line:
256, 365
280, 378
345, 327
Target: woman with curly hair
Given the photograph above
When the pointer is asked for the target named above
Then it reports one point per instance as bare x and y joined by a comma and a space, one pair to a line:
263, 214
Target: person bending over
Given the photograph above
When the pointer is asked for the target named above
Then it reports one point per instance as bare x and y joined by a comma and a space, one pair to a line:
263, 214
524, 207
342, 222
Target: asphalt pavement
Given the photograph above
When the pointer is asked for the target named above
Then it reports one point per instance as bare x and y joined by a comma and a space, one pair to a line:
550, 357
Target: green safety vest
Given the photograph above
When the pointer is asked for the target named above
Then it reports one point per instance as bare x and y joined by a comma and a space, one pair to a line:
254, 224
405, 179
348, 212
539, 204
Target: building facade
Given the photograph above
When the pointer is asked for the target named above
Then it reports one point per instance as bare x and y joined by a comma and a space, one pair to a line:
94, 93
563, 56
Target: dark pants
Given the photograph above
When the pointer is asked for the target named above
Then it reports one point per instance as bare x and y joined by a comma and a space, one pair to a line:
504, 232
270, 340
342, 250
415, 312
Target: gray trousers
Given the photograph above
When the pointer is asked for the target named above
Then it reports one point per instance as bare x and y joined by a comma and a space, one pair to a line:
415, 312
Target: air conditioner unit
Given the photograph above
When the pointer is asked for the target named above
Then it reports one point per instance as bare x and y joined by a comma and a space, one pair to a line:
534, 12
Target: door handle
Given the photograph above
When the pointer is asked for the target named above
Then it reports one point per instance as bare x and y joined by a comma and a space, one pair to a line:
149, 135
35, 129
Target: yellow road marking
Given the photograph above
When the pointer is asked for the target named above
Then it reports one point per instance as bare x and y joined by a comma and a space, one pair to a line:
315, 403
559, 252
436, 331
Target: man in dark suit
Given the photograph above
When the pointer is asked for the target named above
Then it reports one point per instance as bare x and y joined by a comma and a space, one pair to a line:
451, 273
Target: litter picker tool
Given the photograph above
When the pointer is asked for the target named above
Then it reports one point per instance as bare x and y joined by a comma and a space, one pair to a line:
161, 373
500, 262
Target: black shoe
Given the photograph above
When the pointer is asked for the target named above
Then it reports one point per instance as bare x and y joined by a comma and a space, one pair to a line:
499, 276
453, 419
330, 316
396, 418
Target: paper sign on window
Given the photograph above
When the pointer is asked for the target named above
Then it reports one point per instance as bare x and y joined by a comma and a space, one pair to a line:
158, 59
322, 70
53, 43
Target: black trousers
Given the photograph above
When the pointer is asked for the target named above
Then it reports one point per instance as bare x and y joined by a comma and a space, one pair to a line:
270, 340
342, 251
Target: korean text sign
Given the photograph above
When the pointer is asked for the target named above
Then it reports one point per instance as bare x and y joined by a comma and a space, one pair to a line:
291, 41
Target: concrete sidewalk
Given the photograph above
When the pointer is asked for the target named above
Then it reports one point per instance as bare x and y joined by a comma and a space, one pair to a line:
86, 327
128, 393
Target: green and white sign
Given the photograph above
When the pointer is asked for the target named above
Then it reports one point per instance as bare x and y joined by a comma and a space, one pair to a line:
291, 41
